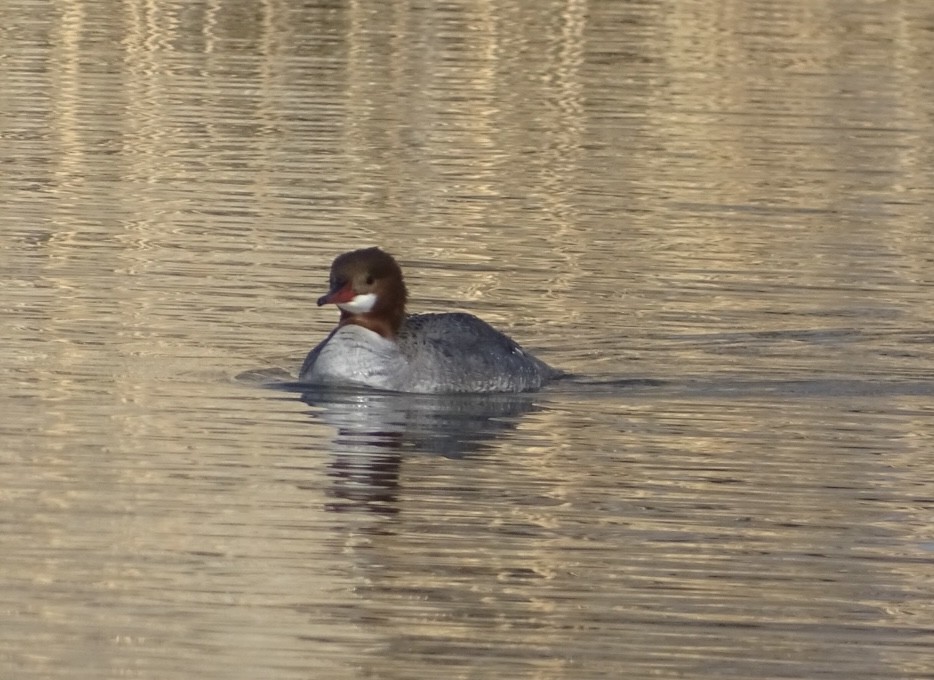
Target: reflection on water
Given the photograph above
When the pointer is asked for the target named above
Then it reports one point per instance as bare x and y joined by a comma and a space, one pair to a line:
447, 425
714, 214
375, 430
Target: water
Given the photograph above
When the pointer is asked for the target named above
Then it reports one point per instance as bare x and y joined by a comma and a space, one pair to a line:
715, 216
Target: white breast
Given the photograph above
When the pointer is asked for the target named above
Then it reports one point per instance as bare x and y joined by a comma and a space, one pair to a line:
357, 355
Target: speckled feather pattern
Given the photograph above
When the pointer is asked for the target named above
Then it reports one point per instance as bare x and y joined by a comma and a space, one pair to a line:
434, 353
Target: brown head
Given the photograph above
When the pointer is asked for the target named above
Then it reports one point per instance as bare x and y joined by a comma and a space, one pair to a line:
368, 288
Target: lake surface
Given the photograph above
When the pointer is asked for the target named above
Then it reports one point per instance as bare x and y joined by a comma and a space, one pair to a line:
716, 216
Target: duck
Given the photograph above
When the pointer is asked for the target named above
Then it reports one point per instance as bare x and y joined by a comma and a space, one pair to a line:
378, 345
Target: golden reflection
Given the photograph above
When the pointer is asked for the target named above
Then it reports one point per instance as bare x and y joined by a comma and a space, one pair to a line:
68, 90
693, 181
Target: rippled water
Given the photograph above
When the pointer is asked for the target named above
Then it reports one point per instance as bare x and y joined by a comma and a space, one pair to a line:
716, 216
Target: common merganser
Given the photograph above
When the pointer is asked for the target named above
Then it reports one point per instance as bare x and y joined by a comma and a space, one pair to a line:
376, 344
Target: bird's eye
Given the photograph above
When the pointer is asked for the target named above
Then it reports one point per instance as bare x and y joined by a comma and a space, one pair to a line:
369, 280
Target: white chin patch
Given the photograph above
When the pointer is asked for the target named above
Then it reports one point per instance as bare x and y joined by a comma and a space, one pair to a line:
361, 304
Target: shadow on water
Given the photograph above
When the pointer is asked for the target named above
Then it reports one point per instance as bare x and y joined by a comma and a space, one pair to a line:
453, 426
374, 430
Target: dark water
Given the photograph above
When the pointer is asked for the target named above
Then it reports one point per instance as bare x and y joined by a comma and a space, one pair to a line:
715, 216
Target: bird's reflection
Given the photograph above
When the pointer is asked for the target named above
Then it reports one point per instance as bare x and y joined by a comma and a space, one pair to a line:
375, 429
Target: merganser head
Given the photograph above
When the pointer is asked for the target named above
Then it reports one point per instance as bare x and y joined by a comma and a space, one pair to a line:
368, 288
